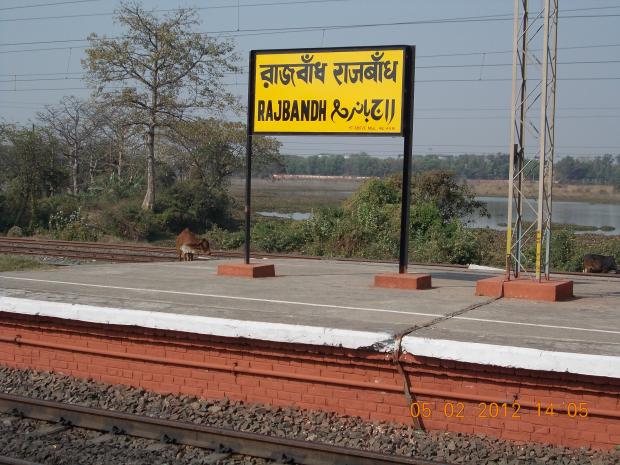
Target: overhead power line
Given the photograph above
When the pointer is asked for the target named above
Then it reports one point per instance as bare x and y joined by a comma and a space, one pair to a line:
20, 7
80, 75
418, 109
465, 19
436, 55
244, 84
233, 6
216, 7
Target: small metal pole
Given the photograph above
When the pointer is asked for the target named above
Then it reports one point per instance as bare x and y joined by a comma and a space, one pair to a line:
520, 150
513, 137
248, 197
542, 150
553, 50
408, 155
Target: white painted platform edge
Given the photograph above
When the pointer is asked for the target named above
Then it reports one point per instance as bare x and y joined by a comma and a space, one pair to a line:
276, 332
469, 352
514, 357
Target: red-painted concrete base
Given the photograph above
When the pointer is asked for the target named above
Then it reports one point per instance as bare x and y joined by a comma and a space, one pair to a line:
491, 287
550, 291
524, 288
252, 270
403, 281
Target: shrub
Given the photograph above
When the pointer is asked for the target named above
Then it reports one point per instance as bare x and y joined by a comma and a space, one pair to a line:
278, 236
368, 226
565, 255
130, 221
72, 227
193, 205
225, 240
5, 212
15, 231
54, 205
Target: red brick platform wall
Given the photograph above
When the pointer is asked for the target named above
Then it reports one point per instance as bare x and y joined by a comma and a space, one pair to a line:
451, 395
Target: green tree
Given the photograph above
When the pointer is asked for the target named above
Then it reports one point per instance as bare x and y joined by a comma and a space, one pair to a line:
167, 71
30, 171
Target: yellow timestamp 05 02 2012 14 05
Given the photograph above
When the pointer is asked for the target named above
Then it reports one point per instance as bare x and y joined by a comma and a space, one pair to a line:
460, 410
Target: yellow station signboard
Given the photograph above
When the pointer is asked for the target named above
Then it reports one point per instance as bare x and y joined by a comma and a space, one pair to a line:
328, 91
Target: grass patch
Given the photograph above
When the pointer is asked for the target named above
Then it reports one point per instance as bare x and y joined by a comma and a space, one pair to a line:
20, 263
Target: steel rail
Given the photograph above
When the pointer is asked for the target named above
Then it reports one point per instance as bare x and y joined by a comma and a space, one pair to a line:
12, 461
139, 253
101, 245
207, 437
83, 255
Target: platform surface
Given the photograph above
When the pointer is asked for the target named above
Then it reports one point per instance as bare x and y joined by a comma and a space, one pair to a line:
338, 295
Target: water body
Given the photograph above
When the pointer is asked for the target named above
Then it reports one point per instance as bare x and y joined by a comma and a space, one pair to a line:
584, 214
579, 213
297, 216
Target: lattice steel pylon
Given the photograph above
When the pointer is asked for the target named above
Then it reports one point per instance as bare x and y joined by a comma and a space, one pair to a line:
528, 248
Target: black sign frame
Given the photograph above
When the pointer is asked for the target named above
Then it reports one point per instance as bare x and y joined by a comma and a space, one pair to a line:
406, 133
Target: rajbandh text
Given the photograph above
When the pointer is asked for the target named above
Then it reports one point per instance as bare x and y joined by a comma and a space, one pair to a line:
316, 91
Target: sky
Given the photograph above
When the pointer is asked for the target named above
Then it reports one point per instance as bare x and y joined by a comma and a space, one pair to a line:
463, 68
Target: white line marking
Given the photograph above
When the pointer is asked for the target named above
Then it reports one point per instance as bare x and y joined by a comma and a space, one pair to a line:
538, 325
217, 296
310, 304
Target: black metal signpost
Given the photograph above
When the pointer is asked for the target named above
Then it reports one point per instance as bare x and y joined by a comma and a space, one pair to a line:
403, 258
248, 158
406, 131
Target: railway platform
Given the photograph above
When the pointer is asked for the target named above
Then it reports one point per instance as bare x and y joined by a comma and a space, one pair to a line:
319, 336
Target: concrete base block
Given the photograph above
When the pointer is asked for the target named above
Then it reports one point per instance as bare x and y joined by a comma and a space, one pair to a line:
491, 287
525, 288
549, 291
244, 270
403, 281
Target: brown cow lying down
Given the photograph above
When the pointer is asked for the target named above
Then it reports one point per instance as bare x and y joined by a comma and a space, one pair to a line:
593, 263
188, 245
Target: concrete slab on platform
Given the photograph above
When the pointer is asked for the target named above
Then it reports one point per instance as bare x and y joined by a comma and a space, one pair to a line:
324, 302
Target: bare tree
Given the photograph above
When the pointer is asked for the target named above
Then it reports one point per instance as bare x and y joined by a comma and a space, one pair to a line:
121, 133
167, 71
74, 123
212, 150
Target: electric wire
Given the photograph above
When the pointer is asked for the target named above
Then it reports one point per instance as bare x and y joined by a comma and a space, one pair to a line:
20, 7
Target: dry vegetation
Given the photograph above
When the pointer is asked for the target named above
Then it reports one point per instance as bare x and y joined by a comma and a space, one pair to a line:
20, 263
304, 195
293, 195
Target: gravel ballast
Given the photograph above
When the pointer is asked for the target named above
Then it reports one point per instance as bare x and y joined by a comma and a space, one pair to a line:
28, 440
294, 423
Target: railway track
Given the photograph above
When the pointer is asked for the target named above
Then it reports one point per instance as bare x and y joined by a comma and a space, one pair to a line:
223, 442
86, 250
133, 253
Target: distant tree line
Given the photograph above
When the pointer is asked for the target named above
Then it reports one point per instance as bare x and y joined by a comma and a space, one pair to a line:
596, 170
